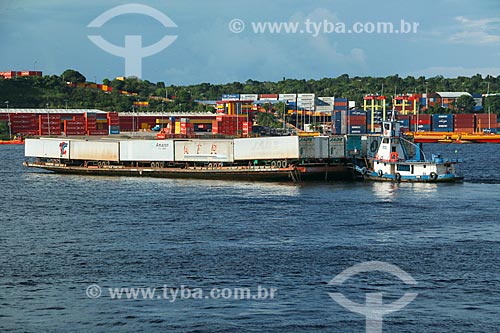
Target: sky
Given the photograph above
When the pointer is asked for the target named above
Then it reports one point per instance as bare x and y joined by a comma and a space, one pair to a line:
219, 41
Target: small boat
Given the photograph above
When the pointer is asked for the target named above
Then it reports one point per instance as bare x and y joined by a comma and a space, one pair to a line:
393, 163
11, 142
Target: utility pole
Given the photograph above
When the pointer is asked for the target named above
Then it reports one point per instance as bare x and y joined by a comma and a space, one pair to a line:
9, 124
48, 119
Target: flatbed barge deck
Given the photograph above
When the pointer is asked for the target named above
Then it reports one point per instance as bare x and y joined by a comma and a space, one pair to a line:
261, 173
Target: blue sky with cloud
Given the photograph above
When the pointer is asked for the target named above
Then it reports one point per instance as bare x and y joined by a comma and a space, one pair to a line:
454, 37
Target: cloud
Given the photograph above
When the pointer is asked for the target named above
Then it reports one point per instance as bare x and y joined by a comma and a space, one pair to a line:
217, 55
481, 31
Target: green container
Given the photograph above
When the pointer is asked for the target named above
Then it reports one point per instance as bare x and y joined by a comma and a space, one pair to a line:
353, 145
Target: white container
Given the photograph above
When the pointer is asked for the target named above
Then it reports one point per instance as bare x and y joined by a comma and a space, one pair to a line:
47, 148
336, 147
95, 150
269, 148
204, 151
325, 104
288, 97
147, 150
306, 96
313, 147
249, 97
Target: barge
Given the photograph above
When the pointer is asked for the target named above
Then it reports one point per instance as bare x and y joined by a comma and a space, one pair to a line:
289, 158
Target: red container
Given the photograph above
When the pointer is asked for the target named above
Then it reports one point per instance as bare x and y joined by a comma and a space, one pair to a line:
268, 96
464, 129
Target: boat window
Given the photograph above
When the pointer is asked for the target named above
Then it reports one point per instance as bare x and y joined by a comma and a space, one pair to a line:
385, 140
402, 167
425, 166
387, 126
412, 169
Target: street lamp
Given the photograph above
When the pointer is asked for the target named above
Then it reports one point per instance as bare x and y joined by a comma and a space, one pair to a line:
48, 119
9, 125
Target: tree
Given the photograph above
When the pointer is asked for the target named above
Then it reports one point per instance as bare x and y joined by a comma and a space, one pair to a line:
267, 119
492, 104
465, 103
73, 76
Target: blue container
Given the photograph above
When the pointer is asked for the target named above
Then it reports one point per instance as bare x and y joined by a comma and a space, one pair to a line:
478, 108
356, 130
340, 99
423, 127
340, 108
405, 123
338, 129
357, 113
114, 130
230, 97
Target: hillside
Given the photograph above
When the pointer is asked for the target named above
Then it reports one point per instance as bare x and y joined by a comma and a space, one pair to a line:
55, 92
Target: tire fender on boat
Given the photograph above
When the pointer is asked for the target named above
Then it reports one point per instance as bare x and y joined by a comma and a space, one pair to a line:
433, 176
398, 177
380, 173
363, 171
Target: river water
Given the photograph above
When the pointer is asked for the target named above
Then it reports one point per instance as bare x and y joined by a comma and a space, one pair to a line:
63, 237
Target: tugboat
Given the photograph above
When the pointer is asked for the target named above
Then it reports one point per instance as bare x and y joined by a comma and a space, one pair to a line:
393, 163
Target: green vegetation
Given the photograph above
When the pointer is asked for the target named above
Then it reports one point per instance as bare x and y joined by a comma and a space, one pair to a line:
492, 103
465, 104
268, 120
4, 131
54, 92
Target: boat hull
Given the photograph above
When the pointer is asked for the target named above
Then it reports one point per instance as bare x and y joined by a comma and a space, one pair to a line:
448, 178
11, 142
291, 173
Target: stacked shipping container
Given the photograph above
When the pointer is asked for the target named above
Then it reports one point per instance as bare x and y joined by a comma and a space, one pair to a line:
186, 128
230, 125
340, 104
442, 122
49, 124
464, 123
422, 122
486, 121
114, 123
349, 122
25, 123
75, 126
